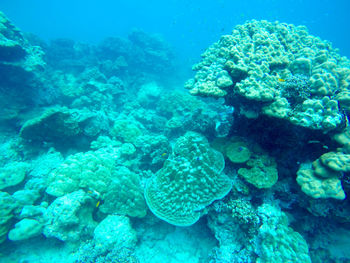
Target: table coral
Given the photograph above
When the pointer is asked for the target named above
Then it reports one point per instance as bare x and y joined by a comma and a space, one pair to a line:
281, 69
238, 152
190, 179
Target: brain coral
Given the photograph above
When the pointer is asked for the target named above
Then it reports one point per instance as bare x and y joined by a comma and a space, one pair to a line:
190, 180
279, 69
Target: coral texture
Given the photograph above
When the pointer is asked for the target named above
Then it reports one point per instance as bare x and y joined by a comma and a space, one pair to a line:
190, 180
283, 70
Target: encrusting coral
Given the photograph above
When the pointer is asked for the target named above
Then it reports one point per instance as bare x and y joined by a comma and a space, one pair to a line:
261, 171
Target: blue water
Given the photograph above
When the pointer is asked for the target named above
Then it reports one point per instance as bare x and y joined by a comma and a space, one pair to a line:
106, 157
189, 26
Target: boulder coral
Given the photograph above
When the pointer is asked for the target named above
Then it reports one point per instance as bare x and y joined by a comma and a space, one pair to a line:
281, 69
25, 229
124, 195
13, 174
69, 217
126, 130
277, 241
322, 180
190, 180
116, 188
115, 231
92, 171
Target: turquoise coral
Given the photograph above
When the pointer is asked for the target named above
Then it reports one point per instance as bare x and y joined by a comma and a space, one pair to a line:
279, 243
69, 217
91, 171
322, 180
13, 174
126, 130
124, 195
261, 171
190, 180
7, 205
259, 55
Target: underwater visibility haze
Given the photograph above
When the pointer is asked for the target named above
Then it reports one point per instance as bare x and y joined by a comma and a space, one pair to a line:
174, 131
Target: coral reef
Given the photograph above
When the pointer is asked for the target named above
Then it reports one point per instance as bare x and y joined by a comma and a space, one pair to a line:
285, 72
25, 229
92, 171
7, 206
12, 174
104, 157
190, 180
69, 218
21, 65
124, 195
279, 243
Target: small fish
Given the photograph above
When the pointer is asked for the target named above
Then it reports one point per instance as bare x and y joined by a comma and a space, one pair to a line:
240, 148
318, 142
199, 158
281, 80
314, 142
98, 203
163, 154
